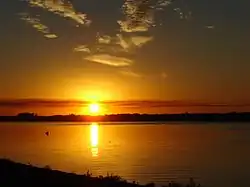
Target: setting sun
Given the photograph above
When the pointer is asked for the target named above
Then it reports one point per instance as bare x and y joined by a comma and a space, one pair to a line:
94, 108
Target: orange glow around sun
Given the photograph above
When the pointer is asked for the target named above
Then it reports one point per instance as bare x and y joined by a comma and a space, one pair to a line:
94, 103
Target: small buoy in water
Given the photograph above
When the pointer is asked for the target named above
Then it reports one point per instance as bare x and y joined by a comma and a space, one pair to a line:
47, 133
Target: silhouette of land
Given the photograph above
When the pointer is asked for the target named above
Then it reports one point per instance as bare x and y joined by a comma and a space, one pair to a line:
184, 117
17, 174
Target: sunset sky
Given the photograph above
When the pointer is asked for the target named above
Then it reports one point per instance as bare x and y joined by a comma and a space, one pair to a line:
176, 56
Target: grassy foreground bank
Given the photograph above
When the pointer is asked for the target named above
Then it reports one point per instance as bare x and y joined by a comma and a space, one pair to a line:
17, 174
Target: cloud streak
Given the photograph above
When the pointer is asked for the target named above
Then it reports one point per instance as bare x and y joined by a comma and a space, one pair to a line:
146, 103
109, 60
139, 14
36, 24
130, 73
82, 48
62, 8
210, 27
116, 50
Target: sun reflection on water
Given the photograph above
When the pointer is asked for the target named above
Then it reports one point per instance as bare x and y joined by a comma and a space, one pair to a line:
94, 127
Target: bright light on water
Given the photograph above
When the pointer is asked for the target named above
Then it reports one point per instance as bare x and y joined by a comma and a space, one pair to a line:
94, 139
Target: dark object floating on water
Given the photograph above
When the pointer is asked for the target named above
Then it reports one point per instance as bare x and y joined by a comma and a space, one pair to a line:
47, 133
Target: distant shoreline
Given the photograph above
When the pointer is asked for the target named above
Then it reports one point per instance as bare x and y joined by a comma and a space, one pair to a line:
184, 117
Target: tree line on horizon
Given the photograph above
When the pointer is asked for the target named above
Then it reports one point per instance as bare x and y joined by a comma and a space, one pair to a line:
133, 117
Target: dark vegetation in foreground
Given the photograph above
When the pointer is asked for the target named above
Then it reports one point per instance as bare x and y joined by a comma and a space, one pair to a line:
192, 117
16, 174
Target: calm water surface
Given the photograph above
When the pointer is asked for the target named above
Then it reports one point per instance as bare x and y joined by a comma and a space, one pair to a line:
216, 155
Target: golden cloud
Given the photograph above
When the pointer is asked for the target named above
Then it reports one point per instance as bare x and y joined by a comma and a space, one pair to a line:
130, 73
109, 60
82, 48
36, 24
61, 8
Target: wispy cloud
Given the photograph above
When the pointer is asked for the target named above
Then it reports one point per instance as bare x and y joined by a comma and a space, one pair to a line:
104, 39
38, 103
109, 60
163, 3
107, 49
122, 43
50, 35
210, 27
36, 24
130, 73
139, 14
139, 41
183, 14
62, 8
132, 42
146, 103
82, 48
173, 103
